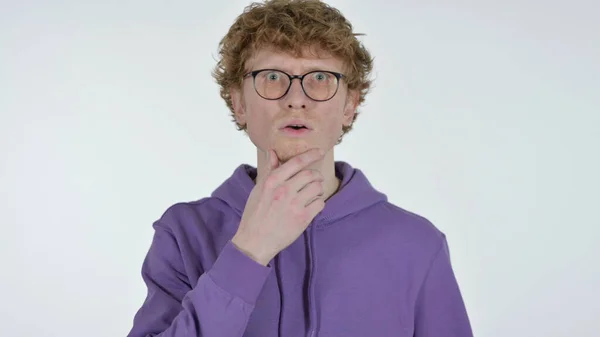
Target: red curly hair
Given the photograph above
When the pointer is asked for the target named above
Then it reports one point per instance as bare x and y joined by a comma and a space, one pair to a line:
291, 26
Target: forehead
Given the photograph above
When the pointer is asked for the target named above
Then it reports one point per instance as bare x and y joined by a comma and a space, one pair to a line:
309, 60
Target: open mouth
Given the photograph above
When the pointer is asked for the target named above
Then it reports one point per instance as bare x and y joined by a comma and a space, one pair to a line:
296, 127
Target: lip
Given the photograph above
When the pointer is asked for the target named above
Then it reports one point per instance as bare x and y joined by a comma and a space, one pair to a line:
296, 122
290, 132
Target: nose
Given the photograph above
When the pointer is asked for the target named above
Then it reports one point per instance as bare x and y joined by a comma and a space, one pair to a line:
296, 98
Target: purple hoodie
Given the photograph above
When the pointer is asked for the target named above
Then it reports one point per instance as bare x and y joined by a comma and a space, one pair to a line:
364, 267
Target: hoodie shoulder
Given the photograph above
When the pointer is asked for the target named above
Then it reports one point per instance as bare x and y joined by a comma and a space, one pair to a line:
189, 215
414, 228
215, 215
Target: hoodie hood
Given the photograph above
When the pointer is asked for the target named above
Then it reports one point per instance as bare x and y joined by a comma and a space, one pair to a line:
354, 195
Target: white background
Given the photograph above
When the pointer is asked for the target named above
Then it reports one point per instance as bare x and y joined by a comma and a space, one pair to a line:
484, 118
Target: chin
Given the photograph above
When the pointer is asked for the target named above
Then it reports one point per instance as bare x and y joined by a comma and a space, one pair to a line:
286, 150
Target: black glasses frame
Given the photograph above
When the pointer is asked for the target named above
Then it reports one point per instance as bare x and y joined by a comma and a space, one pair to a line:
292, 77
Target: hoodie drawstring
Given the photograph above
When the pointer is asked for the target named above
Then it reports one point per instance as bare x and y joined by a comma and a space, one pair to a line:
278, 277
314, 324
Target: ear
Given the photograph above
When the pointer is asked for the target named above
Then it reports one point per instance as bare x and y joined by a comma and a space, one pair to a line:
239, 109
350, 107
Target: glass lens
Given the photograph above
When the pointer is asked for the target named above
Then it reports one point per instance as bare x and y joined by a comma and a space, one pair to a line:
320, 85
271, 84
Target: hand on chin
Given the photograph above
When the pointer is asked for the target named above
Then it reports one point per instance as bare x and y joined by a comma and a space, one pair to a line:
287, 150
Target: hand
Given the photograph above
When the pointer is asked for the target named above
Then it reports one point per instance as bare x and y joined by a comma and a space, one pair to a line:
284, 201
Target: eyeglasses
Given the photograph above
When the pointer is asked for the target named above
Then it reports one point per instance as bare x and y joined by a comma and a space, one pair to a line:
273, 84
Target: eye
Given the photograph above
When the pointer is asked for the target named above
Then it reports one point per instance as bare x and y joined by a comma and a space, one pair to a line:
273, 76
320, 76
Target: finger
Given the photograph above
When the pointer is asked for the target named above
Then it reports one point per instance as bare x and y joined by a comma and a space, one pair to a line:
272, 161
303, 178
315, 206
310, 192
297, 163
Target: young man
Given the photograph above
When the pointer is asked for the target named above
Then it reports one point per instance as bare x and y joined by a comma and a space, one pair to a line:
301, 245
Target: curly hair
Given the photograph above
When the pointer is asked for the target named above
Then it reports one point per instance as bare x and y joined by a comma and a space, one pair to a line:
291, 26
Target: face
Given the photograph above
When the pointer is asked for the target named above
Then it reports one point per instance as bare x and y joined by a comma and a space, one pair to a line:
268, 121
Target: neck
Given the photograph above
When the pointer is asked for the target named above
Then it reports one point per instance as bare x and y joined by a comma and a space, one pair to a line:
326, 166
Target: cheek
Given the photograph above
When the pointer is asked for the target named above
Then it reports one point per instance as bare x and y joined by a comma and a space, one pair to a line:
256, 113
259, 120
258, 125
332, 125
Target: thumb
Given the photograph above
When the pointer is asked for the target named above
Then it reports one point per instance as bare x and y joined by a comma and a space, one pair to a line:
272, 159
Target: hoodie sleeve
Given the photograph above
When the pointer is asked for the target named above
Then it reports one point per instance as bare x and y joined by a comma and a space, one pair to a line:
219, 305
440, 309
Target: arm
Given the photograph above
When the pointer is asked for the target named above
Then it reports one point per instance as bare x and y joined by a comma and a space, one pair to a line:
218, 306
440, 309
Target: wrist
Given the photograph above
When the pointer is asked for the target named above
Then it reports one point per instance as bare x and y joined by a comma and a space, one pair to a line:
244, 247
